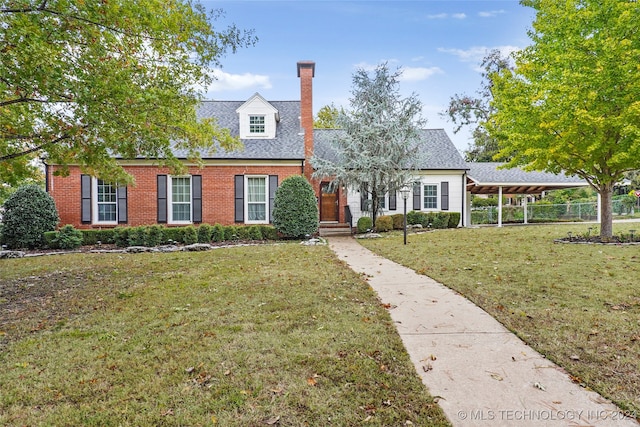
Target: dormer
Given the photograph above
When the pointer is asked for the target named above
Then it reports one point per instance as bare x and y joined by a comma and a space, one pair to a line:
258, 119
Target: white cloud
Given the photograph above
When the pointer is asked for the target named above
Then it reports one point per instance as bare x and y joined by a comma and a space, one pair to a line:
415, 74
476, 54
491, 13
446, 15
225, 81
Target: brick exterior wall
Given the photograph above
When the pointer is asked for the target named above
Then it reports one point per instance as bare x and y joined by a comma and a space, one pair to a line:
217, 192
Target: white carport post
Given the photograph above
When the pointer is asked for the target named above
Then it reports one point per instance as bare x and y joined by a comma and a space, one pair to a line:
500, 206
598, 208
524, 205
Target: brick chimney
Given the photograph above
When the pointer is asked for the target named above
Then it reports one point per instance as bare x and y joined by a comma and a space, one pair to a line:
306, 72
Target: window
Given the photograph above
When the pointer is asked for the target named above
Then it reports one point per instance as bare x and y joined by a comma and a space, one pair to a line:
430, 196
256, 124
107, 202
256, 199
180, 199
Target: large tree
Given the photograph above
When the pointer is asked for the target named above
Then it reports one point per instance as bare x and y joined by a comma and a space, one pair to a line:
378, 146
326, 117
572, 103
474, 110
84, 81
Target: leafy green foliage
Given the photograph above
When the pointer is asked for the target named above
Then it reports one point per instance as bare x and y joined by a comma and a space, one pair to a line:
398, 221
255, 232
84, 81
295, 210
68, 238
364, 224
28, 213
571, 103
384, 223
190, 235
379, 141
204, 233
155, 235
217, 234
470, 111
327, 117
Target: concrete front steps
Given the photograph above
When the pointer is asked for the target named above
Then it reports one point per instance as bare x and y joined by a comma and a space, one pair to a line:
334, 229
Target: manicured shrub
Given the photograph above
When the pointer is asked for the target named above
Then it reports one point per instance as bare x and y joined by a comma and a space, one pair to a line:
295, 209
121, 236
138, 236
384, 223
255, 233
155, 235
415, 217
173, 234
268, 232
204, 233
68, 238
398, 221
230, 233
440, 220
243, 233
190, 235
454, 219
28, 213
217, 233
364, 224
92, 237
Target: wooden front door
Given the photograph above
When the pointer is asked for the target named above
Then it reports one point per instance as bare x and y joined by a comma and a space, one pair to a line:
328, 204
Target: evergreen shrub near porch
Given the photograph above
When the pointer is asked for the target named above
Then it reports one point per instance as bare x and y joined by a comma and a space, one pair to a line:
434, 219
155, 235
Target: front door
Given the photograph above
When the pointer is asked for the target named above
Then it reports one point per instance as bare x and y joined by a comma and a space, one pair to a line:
328, 204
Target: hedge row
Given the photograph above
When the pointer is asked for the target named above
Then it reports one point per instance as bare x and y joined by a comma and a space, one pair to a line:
396, 221
154, 235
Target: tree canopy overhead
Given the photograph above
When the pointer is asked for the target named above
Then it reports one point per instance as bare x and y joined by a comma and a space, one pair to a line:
474, 111
83, 81
378, 145
572, 103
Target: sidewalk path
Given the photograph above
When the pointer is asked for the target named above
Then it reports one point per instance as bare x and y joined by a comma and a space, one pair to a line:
482, 374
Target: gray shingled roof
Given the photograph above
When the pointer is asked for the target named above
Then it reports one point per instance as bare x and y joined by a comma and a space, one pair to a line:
289, 141
485, 178
439, 152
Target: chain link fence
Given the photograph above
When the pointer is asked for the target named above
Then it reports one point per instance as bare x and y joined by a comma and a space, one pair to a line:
543, 212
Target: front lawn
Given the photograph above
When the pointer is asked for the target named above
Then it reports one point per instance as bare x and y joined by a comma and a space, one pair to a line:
578, 304
268, 335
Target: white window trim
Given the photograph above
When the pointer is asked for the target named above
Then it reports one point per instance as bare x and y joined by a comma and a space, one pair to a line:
170, 200
264, 125
266, 199
422, 195
94, 204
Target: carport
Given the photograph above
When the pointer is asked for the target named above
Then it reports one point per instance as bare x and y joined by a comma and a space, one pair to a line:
488, 178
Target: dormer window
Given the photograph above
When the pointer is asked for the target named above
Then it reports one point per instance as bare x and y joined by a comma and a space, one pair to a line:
256, 125
257, 119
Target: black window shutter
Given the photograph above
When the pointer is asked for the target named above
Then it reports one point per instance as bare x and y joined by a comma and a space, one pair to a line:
85, 194
393, 201
239, 198
416, 196
122, 205
196, 191
162, 199
364, 197
444, 196
273, 186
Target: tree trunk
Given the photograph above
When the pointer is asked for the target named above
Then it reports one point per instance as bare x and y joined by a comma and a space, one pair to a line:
606, 211
374, 207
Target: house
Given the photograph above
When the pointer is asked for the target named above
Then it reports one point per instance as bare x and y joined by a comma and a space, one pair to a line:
238, 187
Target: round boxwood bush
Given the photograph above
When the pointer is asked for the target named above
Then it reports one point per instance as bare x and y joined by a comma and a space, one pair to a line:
28, 213
384, 223
295, 208
365, 224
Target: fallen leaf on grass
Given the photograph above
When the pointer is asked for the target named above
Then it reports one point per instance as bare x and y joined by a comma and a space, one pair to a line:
312, 380
272, 421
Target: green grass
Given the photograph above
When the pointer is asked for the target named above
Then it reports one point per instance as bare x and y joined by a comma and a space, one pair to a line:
231, 337
577, 304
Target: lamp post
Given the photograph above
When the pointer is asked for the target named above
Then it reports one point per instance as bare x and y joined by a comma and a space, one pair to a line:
404, 191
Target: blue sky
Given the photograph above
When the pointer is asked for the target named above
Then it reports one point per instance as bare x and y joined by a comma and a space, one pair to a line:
438, 44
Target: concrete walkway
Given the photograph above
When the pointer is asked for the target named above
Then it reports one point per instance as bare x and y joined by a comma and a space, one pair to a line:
482, 374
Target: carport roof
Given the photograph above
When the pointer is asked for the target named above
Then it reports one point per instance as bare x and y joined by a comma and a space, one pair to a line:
487, 178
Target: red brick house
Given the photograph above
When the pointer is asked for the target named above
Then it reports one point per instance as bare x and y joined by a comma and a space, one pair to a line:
238, 187
231, 188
